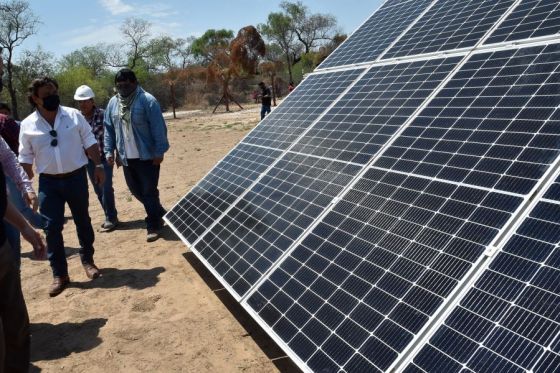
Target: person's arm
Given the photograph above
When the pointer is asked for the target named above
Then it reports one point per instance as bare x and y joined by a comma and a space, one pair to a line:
99, 173
26, 155
13, 170
14, 217
109, 136
158, 129
92, 149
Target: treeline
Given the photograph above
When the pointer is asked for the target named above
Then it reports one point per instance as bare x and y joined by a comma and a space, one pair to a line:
218, 67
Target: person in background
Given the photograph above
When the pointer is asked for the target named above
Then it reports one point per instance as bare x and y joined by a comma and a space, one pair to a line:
84, 96
266, 99
14, 319
54, 137
291, 87
136, 130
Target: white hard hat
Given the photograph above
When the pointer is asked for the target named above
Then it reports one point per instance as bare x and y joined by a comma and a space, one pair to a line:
83, 92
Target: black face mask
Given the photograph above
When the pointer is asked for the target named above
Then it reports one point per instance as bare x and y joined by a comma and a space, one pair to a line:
126, 90
51, 103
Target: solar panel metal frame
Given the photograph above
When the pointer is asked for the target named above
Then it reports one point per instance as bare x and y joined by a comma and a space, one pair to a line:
531, 202
501, 239
476, 270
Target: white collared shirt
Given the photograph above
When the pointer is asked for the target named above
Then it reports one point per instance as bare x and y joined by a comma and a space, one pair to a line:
73, 135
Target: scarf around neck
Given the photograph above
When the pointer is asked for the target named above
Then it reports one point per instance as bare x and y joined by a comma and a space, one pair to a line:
125, 104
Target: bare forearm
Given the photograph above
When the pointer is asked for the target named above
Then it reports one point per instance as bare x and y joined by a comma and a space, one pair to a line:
93, 154
28, 169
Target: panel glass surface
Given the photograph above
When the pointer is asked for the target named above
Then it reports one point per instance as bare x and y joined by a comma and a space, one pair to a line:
450, 24
377, 33
219, 189
271, 216
297, 112
364, 119
531, 19
510, 320
496, 124
359, 288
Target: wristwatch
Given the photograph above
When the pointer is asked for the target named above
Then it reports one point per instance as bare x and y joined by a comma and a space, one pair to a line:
99, 165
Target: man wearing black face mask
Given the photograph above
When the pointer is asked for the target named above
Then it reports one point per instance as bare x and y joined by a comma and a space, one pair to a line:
54, 137
135, 128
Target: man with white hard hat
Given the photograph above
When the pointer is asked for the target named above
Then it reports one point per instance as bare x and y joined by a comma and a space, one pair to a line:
84, 96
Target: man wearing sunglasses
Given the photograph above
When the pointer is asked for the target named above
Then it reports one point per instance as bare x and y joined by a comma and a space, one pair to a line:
54, 137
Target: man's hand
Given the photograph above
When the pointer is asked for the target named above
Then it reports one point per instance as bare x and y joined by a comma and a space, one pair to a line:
99, 176
35, 239
111, 161
31, 200
157, 161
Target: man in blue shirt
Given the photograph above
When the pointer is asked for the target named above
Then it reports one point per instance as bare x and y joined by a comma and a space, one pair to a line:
135, 128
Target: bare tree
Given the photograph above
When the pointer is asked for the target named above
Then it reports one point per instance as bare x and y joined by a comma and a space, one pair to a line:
310, 29
17, 23
136, 32
279, 30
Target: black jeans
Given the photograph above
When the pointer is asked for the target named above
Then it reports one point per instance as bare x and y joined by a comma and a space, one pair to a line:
53, 195
142, 178
14, 321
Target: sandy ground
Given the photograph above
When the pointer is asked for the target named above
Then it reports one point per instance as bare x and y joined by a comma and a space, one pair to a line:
156, 308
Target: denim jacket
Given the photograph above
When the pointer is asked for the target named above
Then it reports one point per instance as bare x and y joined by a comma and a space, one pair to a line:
148, 127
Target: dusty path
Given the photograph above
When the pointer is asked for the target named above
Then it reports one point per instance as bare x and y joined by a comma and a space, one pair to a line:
155, 308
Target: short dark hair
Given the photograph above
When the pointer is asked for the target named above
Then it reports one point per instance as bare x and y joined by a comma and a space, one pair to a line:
124, 75
33, 88
5, 106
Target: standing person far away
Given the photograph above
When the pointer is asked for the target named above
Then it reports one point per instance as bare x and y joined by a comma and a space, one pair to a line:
14, 320
84, 96
135, 128
266, 99
54, 137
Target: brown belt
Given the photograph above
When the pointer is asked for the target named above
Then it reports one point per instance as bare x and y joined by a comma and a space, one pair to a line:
64, 175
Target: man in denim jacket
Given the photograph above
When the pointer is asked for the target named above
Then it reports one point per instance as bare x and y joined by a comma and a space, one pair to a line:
135, 128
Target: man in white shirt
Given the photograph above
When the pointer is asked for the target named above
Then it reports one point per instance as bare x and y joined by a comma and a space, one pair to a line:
54, 137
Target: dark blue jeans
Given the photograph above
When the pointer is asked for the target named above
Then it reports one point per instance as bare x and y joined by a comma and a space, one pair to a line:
53, 195
142, 178
105, 193
264, 110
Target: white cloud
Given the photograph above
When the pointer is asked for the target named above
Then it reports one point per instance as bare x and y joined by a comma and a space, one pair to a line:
116, 6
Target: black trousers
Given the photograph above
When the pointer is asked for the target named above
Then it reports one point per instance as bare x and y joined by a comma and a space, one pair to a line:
14, 340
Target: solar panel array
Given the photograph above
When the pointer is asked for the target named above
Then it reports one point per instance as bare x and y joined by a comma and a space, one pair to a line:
397, 212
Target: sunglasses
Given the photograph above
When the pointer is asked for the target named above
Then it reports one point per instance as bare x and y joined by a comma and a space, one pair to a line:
54, 141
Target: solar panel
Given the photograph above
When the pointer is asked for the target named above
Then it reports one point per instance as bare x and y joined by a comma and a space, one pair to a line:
219, 189
374, 109
359, 288
231, 177
377, 33
271, 216
530, 19
510, 320
450, 24
298, 111
495, 124
394, 217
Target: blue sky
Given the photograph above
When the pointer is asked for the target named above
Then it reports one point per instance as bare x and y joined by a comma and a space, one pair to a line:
68, 25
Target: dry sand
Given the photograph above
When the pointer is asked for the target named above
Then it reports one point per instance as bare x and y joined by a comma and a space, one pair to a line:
156, 308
